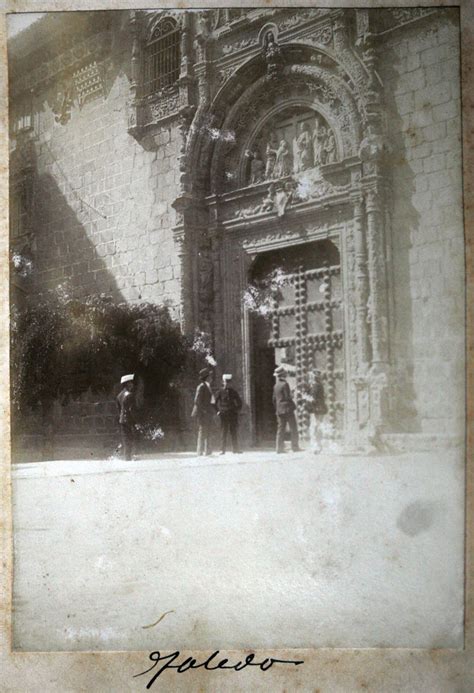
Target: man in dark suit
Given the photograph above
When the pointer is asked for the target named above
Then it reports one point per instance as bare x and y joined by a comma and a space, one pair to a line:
228, 405
285, 411
126, 405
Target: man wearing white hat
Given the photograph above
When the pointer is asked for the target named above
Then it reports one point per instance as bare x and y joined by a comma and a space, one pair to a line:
228, 405
285, 411
126, 404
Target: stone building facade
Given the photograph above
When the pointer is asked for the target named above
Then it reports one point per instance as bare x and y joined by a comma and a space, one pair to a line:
185, 156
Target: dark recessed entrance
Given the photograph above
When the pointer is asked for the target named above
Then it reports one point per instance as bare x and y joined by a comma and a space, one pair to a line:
298, 322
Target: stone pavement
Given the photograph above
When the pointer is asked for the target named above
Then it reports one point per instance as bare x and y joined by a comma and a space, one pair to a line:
251, 550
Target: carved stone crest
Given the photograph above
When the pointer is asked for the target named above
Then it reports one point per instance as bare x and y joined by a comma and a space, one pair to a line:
63, 103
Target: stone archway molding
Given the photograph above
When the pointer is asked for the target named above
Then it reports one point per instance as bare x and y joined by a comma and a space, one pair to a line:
313, 85
330, 93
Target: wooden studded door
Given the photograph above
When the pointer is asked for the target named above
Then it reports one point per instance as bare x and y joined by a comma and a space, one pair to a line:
306, 323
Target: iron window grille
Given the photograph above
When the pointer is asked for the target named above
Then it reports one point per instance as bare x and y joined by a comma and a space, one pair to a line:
162, 57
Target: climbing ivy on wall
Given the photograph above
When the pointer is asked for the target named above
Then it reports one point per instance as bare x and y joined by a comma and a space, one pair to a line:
62, 347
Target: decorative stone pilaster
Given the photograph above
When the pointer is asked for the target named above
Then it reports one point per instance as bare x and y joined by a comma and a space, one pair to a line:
217, 307
205, 283
185, 118
185, 81
202, 64
361, 286
377, 280
378, 310
185, 253
373, 116
182, 255
135, 67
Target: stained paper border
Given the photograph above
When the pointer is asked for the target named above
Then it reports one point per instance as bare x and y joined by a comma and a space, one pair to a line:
324, 670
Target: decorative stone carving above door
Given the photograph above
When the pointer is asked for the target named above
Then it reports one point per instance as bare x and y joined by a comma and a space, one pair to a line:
294, 140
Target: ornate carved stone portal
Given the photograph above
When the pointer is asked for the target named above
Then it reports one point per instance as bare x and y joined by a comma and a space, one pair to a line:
284, 168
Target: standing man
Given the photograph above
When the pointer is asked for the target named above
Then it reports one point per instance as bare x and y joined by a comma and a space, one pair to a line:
228, 405
285, 411
315, 405
126, 406
203, 411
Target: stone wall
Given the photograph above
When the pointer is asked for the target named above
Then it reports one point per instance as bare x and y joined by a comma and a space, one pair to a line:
85, 169
92, 160
420, 71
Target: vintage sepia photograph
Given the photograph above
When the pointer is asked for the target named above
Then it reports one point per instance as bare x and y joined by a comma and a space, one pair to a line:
237, 328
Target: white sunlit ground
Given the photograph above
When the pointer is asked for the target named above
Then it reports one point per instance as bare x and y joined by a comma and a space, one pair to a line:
255, 550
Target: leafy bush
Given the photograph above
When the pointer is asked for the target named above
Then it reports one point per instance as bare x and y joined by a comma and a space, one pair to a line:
62, 347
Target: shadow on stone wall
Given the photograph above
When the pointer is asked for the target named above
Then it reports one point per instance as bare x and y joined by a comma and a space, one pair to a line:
64, 258
65, 254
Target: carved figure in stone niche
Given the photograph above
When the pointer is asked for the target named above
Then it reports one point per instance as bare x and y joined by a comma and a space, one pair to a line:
271, 152
270, 47
330, 148
319, 145
257, 167
283, 160
303, 147
272, 53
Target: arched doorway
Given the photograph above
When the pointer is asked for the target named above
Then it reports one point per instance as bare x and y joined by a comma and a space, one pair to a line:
297, 322
296, 170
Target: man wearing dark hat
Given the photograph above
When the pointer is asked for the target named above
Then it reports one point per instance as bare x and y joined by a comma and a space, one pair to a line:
126, 405
204, 411
285, 411
228, 405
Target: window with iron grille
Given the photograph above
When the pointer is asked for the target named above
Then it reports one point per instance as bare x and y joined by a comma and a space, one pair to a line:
162, 57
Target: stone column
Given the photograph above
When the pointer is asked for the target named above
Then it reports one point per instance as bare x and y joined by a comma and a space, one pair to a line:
135, 59
377, 280
135, 80
185, 52
361, 286
183, 239
183, 254
216, 244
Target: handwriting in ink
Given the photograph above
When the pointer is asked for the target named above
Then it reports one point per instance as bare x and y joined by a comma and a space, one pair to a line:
190, 663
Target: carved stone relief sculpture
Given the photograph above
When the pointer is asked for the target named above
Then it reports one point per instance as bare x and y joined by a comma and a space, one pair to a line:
283, 160
257, 166
330, 149
303, 149
271, 152
281, 195
291, 148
